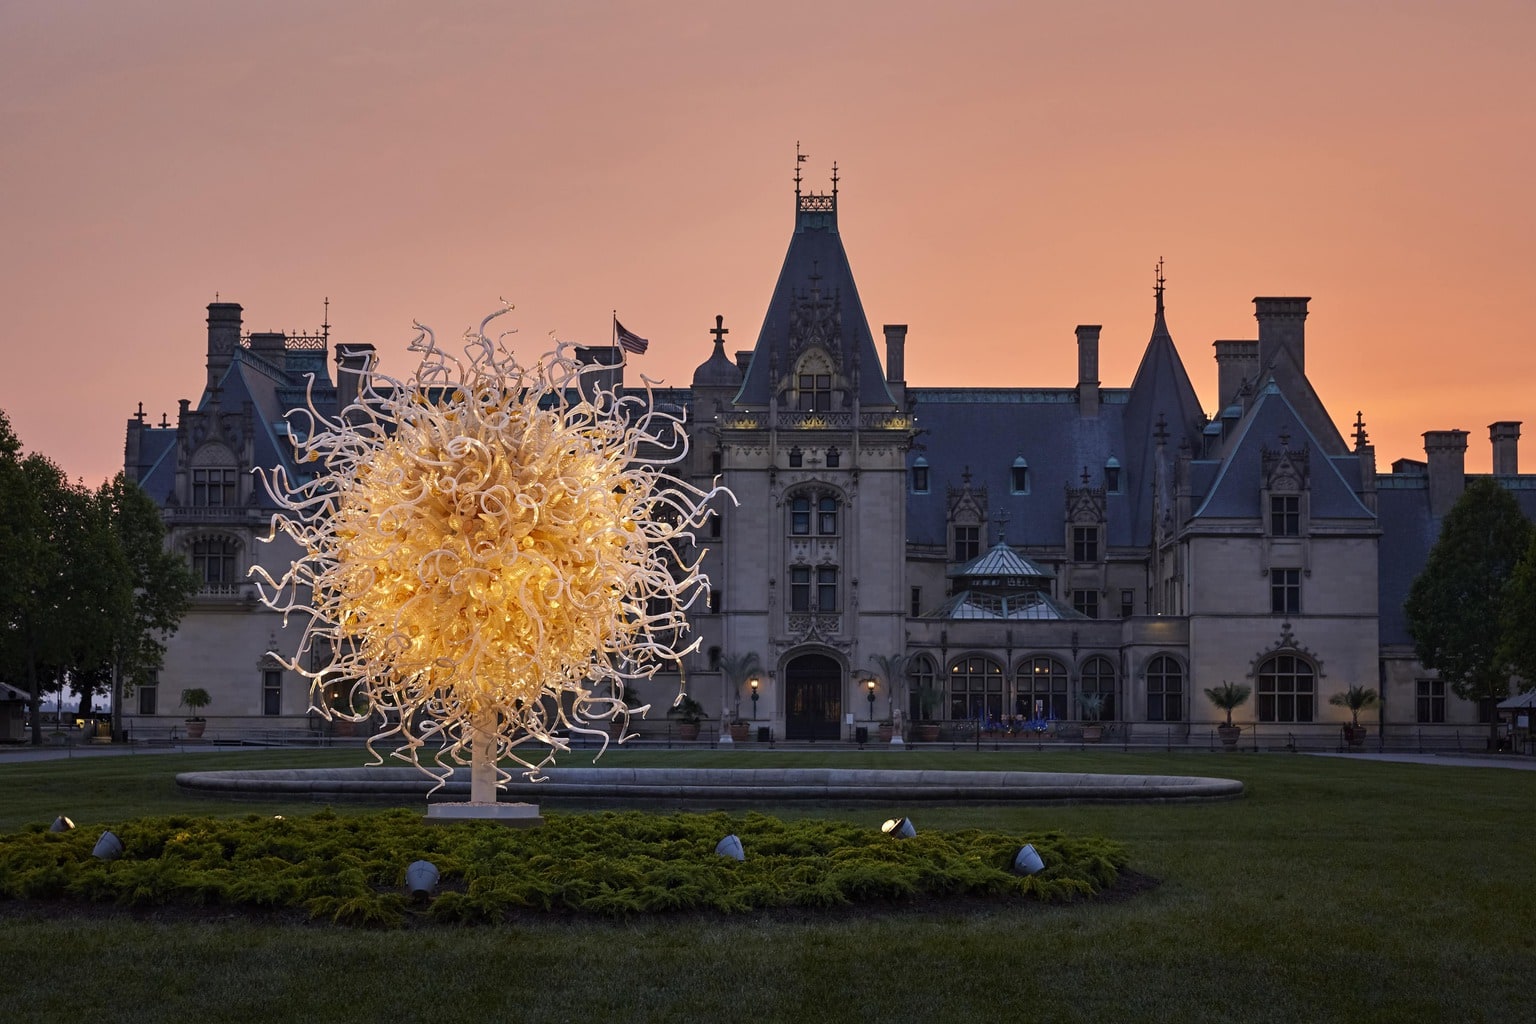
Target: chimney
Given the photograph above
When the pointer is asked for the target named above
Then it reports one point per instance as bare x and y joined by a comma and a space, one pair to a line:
223, 338
896, 361
270, 345
1447, 454
1236, 361
744, 360
1088, 369
1282, 324
352, 363
1505, 436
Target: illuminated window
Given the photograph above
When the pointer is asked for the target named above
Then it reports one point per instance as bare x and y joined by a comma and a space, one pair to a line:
1042, 689
976, 689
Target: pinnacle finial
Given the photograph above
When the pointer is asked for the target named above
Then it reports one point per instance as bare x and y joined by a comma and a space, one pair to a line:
1158, 290
799, 159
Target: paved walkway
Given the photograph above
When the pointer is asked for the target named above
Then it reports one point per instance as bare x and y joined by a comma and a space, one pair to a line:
1515, 761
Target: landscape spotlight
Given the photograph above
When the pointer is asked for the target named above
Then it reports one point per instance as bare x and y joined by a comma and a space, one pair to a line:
61, 824
730, 847
420, 879
1027, 861
108, 847
899, 828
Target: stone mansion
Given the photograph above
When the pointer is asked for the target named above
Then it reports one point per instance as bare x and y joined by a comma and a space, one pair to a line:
1024, 547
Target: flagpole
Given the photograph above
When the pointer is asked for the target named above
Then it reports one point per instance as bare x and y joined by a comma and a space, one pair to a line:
614, 343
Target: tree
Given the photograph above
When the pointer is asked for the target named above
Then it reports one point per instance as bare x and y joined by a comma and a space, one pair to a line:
1518, 632
161, 586
1456, 608
35, 518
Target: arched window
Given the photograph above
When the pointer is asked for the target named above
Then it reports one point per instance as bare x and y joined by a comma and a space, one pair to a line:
1112, 475
1165, 690
976, 689
923, 695
1042, 688
1099, 677
213, 560
1287, 689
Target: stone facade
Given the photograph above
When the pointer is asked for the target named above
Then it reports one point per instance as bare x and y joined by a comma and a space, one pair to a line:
1025, 548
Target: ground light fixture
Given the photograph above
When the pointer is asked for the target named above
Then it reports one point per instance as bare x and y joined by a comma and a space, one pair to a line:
899, 828
61, 824
1027, 861
108, 847
730, 847
420, 879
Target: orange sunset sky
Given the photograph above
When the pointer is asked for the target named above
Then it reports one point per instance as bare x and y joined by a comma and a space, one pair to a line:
1008, 171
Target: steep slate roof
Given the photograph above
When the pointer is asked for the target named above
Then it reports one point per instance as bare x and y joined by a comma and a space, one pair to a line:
1234, 494
271, 391
987, 428
815, 262
1162, 390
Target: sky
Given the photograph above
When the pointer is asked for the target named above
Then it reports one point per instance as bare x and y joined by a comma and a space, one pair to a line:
1008, 170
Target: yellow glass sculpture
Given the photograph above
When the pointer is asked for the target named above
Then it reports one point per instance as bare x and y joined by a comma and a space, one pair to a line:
490, 551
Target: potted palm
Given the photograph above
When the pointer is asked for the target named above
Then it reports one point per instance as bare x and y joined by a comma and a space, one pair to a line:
689, 713
194, 699
1356, 698
891, 670
1228, 697
1093, 710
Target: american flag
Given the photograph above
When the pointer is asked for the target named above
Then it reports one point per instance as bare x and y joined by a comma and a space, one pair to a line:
631, 341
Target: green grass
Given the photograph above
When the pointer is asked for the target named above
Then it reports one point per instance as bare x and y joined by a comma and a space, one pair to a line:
1335, 890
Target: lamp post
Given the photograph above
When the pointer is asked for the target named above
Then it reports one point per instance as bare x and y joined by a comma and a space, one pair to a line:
870, 685
753, 683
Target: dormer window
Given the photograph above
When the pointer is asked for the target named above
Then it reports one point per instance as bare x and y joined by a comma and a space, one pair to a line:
920, 476
1019, 476
213, 488
1285, 515
815, 392
1112, 475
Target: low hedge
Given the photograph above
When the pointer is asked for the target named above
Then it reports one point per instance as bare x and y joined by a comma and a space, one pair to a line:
351, 870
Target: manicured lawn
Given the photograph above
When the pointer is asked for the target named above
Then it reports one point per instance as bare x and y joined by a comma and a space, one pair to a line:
1334, 890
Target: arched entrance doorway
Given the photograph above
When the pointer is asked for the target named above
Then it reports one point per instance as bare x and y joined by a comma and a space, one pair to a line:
813, 691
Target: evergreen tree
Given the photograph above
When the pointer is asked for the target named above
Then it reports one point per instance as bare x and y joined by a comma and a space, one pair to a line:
1519, 625
1456, 606
161, 586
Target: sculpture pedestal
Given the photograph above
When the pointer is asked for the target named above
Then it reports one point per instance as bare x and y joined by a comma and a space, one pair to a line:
513, 814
